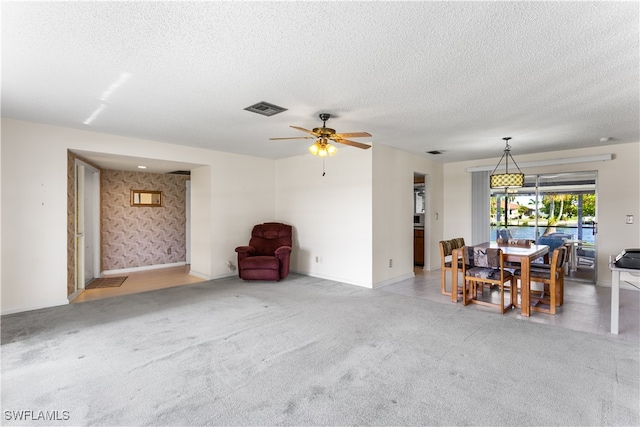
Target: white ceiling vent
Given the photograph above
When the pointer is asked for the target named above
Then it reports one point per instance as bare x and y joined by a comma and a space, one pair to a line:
265, 109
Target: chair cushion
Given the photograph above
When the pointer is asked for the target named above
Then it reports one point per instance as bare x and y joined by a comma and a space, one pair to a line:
264, 275
541, 267
539, 273
447, 248
260, 263
448, 264
551, 241
457, 243
268, 237
479, 256
487, 273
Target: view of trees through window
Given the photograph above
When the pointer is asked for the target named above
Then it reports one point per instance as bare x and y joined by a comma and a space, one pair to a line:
565, 202
553, 208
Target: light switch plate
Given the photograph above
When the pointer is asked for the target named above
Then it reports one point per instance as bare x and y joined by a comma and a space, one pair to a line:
629, 219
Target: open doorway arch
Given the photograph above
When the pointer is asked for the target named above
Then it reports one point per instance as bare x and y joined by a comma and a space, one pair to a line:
420, 234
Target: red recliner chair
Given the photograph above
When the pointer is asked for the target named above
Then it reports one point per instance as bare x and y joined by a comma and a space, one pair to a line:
267, 256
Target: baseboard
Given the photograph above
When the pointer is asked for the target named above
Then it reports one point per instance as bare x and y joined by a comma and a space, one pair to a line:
368, 286
32, 308
75, 294
200, 275
623, 285
143, 268
221, 276
333, 279
393, 280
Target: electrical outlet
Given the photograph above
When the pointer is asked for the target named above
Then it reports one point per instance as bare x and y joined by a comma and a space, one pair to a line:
169, 251
629, 219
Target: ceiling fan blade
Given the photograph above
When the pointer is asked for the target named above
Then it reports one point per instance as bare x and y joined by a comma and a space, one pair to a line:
305, 130
351, 143
294, 137
354, 135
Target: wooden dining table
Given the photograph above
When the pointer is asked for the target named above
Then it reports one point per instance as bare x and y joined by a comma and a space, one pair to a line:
517, 254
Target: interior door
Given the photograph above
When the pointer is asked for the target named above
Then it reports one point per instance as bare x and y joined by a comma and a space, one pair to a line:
91, 224
87, 236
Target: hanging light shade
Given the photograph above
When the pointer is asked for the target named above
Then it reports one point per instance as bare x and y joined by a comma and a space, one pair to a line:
313, 149
506, 180
322, 148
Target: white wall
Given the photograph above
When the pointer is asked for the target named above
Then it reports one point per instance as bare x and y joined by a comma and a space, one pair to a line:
34, 205
34, 219
331, 215
242, 195
393, 172
353, 219
618, 195
202, 234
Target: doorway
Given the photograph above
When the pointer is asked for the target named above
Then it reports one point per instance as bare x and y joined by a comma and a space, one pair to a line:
87, 220
419, 212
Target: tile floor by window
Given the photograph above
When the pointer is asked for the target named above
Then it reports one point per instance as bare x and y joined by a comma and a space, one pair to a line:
586, 307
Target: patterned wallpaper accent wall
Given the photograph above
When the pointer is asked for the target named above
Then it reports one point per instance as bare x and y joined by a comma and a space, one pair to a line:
71, 222
133, 236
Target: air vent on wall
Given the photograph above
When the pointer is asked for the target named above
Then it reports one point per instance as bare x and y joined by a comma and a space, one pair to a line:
265, 109
180, 173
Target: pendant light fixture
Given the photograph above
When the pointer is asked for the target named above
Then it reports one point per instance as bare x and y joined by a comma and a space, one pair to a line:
506, 180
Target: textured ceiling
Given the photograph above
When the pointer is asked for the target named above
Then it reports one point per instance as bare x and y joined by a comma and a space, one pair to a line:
419, 76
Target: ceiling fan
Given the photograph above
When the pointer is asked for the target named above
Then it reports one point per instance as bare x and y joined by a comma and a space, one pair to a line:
322, 147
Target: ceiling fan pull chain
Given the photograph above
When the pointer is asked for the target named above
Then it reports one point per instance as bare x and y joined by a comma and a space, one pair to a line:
323, 172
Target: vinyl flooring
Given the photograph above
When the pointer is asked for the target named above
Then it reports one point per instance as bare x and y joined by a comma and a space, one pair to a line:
586, 307
142, 281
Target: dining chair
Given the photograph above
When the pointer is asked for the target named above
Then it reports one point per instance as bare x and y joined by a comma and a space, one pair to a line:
484, 266
446, 252
552, 278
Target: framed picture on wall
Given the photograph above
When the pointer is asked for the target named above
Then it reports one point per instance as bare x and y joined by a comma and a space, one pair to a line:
146, 198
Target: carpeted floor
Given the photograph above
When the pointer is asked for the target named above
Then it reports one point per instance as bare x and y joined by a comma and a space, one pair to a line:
306, 351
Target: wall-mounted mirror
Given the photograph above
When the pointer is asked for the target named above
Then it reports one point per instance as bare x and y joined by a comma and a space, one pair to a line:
146, 198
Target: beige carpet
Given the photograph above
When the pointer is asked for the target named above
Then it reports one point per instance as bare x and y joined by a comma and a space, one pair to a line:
106, 282
305, 352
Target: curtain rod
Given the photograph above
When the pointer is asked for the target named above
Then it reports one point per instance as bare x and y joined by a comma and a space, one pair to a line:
550, 162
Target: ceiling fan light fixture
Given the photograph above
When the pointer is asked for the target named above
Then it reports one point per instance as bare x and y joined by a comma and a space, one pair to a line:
322, 148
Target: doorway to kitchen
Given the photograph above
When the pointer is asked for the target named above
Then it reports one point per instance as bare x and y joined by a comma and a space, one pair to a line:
419, 210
